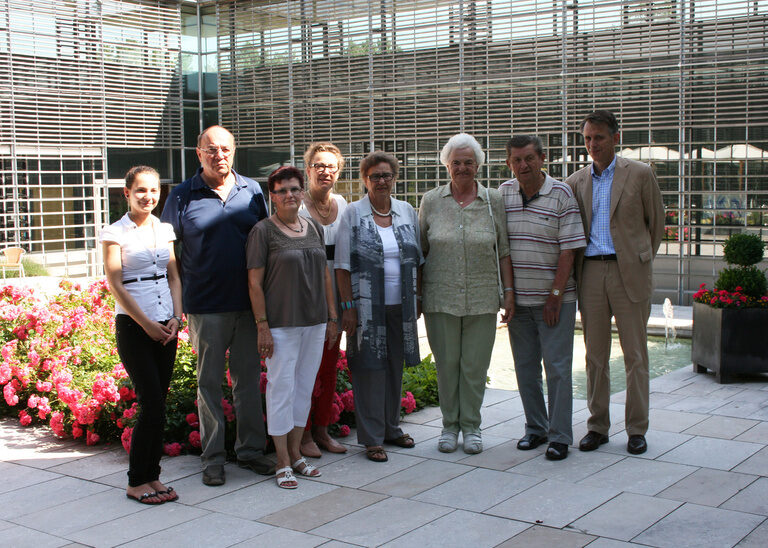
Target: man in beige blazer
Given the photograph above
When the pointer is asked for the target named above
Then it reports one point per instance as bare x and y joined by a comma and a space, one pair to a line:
623, 216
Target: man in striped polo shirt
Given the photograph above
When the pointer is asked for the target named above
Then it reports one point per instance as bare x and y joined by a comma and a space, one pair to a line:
545, 229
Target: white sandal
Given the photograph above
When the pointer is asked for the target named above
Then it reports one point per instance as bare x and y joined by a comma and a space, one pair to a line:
473, 443
305, 470
287, 477
448, 442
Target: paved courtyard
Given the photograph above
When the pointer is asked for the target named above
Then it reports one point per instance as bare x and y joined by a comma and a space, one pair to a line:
702, 483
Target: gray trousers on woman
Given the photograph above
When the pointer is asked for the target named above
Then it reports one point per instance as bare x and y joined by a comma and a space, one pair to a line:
378, 391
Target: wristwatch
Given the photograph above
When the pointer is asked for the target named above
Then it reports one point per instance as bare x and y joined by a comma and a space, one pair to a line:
556, 292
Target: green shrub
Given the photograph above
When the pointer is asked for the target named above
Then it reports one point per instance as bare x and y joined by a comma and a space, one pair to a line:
31, 268
421, 381
750, 279
743, 249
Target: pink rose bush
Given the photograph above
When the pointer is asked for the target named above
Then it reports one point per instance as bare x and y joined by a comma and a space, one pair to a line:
59, 367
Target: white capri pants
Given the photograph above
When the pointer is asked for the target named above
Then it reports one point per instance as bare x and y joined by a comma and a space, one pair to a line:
291, 373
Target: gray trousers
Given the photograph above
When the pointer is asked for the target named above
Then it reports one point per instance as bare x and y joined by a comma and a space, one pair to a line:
378, 391
531, 340
212, 335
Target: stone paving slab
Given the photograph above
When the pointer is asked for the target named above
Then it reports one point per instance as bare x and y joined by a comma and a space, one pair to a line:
701, 483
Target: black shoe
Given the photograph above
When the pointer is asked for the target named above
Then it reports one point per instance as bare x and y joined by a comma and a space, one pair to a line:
592, 441
261, 465
213, 474
530, 441
637, 445
556, 451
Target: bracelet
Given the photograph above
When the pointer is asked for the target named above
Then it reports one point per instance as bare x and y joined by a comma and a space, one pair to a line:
262, 319
178, 319
334, 320
508, 289
348, 305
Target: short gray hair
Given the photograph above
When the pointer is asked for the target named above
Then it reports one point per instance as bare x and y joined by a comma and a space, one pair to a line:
462, 140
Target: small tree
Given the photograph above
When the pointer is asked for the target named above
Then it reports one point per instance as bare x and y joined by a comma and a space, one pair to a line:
743, 252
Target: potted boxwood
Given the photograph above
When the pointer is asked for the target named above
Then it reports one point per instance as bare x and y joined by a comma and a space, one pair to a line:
730, 323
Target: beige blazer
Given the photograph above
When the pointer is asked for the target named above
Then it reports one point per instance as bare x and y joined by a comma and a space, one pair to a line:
636, 221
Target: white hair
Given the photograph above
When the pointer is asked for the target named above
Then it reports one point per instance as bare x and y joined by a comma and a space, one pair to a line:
462, 140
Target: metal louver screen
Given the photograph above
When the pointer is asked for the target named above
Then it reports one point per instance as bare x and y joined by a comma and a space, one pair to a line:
84, 73
688, 80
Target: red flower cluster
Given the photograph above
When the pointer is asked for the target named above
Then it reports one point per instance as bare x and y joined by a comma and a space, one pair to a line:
724, 299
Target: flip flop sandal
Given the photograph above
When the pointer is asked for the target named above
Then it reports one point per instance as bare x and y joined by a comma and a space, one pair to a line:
169, 491
288, 480
301, 466
405, 441
376, 454
143, 499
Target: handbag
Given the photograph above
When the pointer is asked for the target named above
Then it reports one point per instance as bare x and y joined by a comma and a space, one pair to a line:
496, 248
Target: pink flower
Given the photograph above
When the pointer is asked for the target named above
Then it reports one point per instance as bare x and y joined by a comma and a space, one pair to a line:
33, 401
10, 395
57, 424
172, 449
229, 379
125, 438
130, 412
193, 420
348, 400
126, 394
76, 430
229, 412
344, 431
335, 413
408, 403
194, 439
91, 438
43, 386
263, 383
34, 358
24, 418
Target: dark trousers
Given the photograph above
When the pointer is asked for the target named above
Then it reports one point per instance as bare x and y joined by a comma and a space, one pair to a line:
378, 391
150, 366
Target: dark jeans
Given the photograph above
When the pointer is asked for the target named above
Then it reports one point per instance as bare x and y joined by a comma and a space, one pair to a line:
150, 366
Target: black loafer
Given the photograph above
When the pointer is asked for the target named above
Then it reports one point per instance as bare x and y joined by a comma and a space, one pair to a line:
637, 444
556, 451
592, 441
530, 441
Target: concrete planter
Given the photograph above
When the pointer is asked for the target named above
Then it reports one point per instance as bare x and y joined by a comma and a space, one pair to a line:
729, 341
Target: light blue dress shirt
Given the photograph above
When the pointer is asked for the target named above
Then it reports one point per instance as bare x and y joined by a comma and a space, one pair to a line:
600, 241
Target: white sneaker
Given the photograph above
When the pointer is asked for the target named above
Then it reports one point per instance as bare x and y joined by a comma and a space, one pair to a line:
473, 443
448, 442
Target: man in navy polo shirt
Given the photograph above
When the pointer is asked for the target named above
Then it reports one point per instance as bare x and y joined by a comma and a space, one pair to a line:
212, 214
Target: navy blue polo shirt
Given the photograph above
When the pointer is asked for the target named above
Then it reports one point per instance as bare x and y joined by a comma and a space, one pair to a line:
213, 236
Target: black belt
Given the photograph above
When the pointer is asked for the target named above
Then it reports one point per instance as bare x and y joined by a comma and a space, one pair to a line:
330, 252
611, 257
144, 279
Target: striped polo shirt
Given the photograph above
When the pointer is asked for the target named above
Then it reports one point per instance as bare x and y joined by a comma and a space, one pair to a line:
538, 232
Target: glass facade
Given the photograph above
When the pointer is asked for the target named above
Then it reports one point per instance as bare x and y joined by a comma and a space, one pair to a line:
94, 87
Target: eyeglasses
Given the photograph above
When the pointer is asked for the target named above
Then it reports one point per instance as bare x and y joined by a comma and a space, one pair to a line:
283, 191
325, 167
213, 151
377, 177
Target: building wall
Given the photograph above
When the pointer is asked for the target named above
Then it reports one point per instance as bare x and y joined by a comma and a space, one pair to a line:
687, 79
79, 78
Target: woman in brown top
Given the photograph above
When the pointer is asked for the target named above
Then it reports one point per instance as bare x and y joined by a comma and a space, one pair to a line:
292, 302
